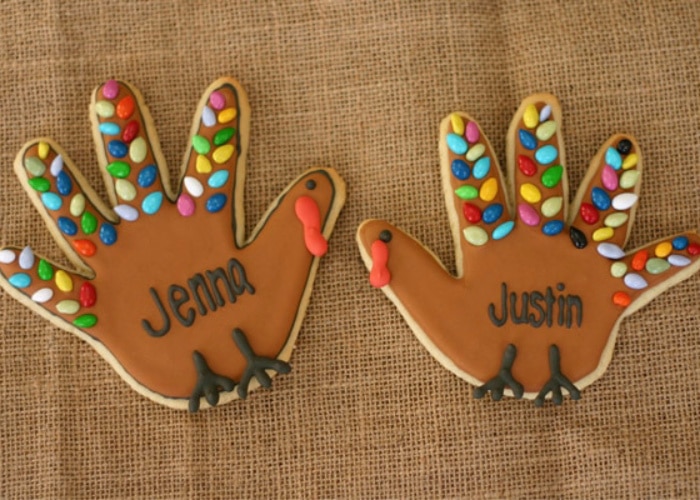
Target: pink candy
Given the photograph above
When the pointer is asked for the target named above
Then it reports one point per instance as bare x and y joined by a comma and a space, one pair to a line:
609, 177
528, 214
217, 101
110, 90
472, 132
185, 205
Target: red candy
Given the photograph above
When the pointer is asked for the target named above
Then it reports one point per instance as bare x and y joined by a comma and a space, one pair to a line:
621, 299
526, 165
125, 107
471, 213
88, 295
85, 247
694, 249
589, 214
130, 131
640, 260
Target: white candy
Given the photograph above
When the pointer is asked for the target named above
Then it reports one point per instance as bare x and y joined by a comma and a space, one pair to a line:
678, 260
26, 258
193, 186
56, 165
42, 295
635, 281
208, 117
545, 112
610, 251
624, 201
7, 256
127, 212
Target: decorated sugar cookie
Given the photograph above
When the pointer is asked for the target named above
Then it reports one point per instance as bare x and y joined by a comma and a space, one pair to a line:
542, 285
167, 288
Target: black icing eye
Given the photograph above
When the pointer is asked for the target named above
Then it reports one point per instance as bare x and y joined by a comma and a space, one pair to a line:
385, 236
311, 184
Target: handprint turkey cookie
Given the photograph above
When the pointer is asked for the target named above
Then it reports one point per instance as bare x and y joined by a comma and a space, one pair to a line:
541, 285
167, 288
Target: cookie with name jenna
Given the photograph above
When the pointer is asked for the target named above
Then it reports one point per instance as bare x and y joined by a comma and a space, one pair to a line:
166, 286
542, 284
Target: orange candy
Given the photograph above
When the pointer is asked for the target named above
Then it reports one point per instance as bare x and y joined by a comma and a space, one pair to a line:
639, 260
85, 247
125, 107
621, 299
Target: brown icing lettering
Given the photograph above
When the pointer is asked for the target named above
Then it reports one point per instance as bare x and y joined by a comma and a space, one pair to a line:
535, 308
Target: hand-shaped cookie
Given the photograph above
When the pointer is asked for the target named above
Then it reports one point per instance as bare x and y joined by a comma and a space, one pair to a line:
167, 289
540, 289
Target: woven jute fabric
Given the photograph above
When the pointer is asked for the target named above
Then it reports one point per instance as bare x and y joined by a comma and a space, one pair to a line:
361, 87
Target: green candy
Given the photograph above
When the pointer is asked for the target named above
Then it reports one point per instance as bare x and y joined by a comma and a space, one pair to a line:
119, 169
200, 144
44, 270
224, 135
88, 223
467, 192
85, 321
552, 176
40, 184
34, 166
657, 266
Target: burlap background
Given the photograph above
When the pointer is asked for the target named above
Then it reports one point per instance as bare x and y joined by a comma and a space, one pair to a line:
360, 86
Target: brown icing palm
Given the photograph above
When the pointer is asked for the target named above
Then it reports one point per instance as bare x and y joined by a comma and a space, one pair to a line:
168, 290
540, 288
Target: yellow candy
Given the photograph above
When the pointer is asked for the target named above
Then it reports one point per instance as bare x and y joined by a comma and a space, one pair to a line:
489, 189
227, 115
457, 124
475, 152
43, 150
603, 233
530, 193
531, 117
223, 153
663, 249
631, 161
63, 281
203, 165
475, 235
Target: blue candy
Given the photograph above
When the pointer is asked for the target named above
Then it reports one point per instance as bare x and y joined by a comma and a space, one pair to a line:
680, 243
147, 176
492, 213
503, 230
546, 154
108, 235
117, 149
218, 179
613, 158
553, 227
216, 203
109, 128
460, 170
527, 139
51, 201
152, 203
63, 183
600, 199
20, 280
457, 144
482, 167
67, 226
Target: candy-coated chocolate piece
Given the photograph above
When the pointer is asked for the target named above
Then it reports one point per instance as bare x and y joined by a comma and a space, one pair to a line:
138, 150
215, 203
42, 295
20, 280
44, 270
201, 144
467, 192
545, 112
110, 89
492, 213
67, 226
217, 100
125, 107
552, 175
678, 260
600, 199
546, 130
227, 115
629, 179
694, 249
152, 203
218, 179
603, 234
624, 201
553, 227
77, 205
639, 260
460, 169
86, 248
609, 178
223, 136
616, 219
63, 184
489, 189
578, 238
127, 212
68, 306
104, 109
530, 193
193, 186
208, 117
680, 243
456, 143
528, 214
657, 266
527, 140
610, 251
88, 295
147, 176
203, 165
26, 258
475, 152
40, 184
108, 234
546, 154
612, 158
131, 130
471, 212
117, 148
125, 189
43, 150
503, 230
481, 168
552, 206
630, 161
621, 299
109, 128
635, 281
63, 281
663, 249
34, 165
56, 165
185, 205
85, 321
526, 165
7, 256
531, 117
88, 223
222, 154
119, 169
475, 235
51, 201
457, 124
624, 146
618, 269
473, 133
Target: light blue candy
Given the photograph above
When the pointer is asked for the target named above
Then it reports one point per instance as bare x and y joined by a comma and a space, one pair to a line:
218, 179
460, 170
108, 235
216, 203
527, 139
152, 203
51, 201
147, 176
546, 154
613, 158
553, 227
492, 213
457, 144
109, 128
600, 198
503, 230
63, 183
482, 167
67, 226
20, 280
117, 149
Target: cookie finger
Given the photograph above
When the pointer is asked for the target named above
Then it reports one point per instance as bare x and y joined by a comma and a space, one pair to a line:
535, 154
